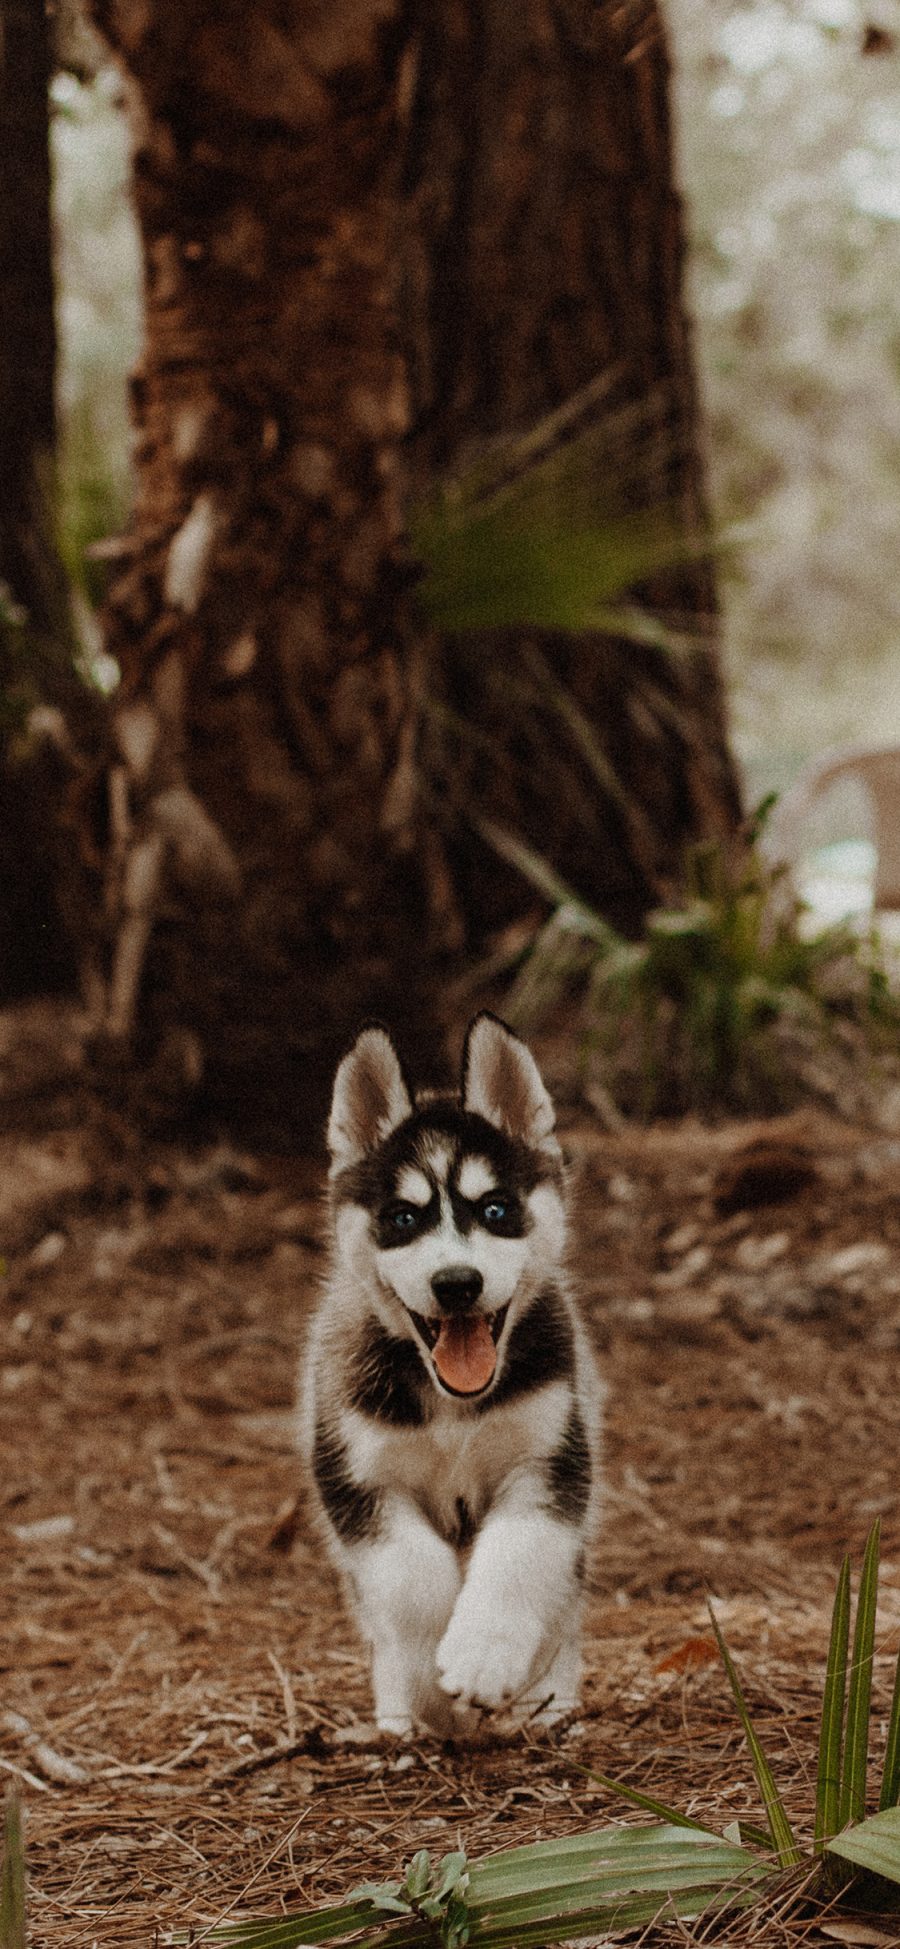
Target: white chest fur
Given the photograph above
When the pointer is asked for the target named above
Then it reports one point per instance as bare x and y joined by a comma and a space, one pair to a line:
460, 1457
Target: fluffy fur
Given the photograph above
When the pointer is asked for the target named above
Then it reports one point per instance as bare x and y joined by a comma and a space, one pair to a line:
451, 1405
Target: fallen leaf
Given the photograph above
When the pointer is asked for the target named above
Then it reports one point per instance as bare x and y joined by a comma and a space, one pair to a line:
690, 1656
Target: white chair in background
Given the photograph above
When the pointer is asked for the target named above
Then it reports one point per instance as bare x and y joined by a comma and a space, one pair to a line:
851, 794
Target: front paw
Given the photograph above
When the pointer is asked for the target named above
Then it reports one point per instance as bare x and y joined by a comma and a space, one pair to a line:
486, 1664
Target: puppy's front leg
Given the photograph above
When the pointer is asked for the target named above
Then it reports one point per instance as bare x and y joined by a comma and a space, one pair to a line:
516, 1618
406, 1580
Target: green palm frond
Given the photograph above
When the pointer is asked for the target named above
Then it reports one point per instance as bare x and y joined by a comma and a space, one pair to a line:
859, 1693
785, 1846
617, 1878
554, 527
831, 1740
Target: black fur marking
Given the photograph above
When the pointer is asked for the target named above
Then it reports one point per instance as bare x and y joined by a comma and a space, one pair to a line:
465, 1525
569, 1472
468, 1212
352, 1511
427, 1217
390, 1383
541, 1349
516, 1166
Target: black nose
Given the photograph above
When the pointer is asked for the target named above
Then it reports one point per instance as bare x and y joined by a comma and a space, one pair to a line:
456, 1287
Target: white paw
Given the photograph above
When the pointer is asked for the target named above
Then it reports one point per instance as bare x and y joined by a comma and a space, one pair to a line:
487, 1666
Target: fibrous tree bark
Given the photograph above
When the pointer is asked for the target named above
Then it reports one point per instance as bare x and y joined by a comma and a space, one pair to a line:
373, 230
546, 248
268, 884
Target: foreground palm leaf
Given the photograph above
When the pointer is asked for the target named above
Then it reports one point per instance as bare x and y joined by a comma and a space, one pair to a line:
873, 1844
618, 1878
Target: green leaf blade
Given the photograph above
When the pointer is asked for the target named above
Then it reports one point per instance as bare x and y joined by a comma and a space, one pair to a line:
859, 1695
873, 1844
613, 1857
783, 1841
418, 1875
616, 1878
359, 1919
831, 1737
648, 1805
890, 1785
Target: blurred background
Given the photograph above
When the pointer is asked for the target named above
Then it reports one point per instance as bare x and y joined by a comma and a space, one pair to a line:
788, 142
404, 630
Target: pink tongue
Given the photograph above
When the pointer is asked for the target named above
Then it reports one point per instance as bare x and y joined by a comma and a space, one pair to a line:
465, 1356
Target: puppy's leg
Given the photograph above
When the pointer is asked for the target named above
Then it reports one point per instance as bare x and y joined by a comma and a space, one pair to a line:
553, 1693
406, 1582
513, 1617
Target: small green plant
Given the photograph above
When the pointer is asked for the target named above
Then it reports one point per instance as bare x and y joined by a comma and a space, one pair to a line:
437, 1894
618, 1879
722, 1001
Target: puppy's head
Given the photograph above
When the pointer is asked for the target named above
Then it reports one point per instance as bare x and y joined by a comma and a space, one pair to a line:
449, 1209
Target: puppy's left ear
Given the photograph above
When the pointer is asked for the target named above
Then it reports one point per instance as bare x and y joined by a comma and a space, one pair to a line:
370, 1099
501, 1081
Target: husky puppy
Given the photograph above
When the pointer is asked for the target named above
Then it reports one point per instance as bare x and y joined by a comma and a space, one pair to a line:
451, 1403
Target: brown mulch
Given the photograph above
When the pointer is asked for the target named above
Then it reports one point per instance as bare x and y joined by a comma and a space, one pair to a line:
185, 1707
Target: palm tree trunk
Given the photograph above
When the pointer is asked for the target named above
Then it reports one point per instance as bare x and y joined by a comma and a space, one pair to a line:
545, 249
266, 889
372, 230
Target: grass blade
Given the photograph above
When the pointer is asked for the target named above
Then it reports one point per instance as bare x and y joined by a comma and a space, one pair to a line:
890, 1785
859, 1695
314, 1926
12, 1879
541, 875
831, 1737
780, 1829
645, 1801
873, 1844
619, 1852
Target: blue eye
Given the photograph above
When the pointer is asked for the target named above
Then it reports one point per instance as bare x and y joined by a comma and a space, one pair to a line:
495, 1211
402, 1218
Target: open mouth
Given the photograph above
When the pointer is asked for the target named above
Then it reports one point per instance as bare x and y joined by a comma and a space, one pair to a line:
463, 1347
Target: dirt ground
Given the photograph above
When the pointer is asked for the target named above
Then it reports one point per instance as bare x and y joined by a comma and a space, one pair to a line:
185, 1707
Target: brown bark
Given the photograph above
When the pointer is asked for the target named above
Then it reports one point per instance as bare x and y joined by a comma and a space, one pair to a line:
269, 687
273, 875
546, 248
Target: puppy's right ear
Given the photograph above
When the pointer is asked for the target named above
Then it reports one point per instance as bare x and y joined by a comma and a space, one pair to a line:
370, 1099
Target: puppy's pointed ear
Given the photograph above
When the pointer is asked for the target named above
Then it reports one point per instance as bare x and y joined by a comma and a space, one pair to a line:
502, 1082
370, 1099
